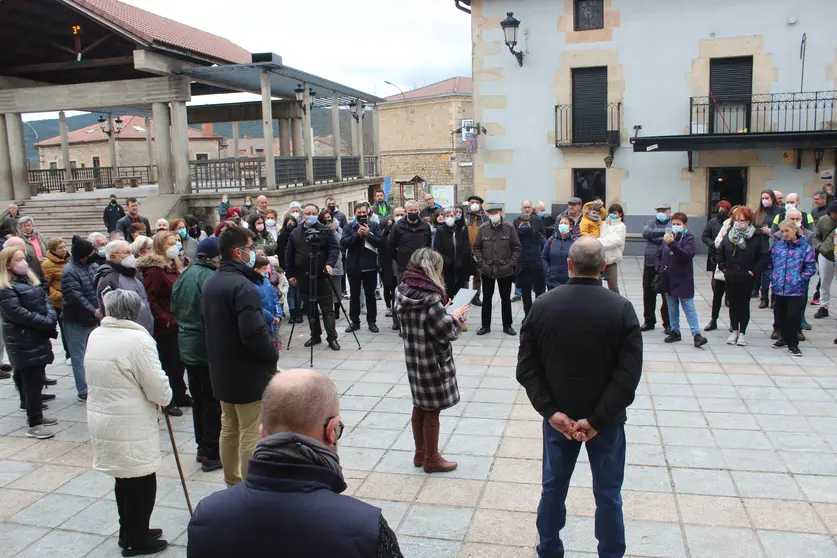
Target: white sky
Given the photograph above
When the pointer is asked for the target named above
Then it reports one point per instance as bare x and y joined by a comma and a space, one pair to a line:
360, 44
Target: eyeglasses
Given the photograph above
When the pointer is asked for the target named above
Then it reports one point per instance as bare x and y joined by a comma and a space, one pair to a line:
338, 432
248, 248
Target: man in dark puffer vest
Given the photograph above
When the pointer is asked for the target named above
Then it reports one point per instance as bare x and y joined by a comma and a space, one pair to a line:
292, 487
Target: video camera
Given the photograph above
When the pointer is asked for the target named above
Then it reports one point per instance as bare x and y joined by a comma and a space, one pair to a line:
312, 235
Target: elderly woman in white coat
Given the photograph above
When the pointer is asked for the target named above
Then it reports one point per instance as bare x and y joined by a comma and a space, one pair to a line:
612, 237
127, 388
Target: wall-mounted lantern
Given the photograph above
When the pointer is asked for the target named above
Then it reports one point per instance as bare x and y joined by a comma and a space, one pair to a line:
299, 92
357, 109
510, 26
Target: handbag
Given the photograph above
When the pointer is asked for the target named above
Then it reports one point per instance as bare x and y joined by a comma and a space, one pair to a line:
660, 282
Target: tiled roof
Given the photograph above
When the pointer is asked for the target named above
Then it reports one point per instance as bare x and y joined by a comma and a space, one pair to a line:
453, 86
153, 28
133, 128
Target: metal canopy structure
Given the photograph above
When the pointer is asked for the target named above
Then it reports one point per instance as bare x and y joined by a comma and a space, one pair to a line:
283, 81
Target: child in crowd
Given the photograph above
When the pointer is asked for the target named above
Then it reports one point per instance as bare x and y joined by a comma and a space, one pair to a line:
591, 220
271, 308
278, 280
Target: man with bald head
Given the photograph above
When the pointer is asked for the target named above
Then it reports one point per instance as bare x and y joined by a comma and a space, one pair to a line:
261, 206
290, 502
580, 361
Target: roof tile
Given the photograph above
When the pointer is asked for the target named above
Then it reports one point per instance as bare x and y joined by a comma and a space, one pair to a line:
133, 128
453, 86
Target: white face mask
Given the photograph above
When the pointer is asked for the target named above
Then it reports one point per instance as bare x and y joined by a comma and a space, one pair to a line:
130, 261
449, 221
475, 207
295, 215
399, 218
171, 252
495, 218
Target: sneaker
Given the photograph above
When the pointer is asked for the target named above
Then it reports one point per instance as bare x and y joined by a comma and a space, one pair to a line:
82, 397
49, 421
209, 465
806, 326
742, 340
40, 432
6, 368
815, 302
673, 337
800, 336
776, 334
68, 362
779, 344
700, 340
352, 327
47, 396
667, 330
821, 313
388, 313
377, 295
373, 328
515, 298
733, 338
795, 351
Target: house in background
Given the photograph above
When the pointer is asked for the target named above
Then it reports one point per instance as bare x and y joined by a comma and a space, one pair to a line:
421, 133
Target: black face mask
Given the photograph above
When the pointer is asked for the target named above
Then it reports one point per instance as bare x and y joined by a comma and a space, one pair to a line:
413, 217
722, 215
332, 208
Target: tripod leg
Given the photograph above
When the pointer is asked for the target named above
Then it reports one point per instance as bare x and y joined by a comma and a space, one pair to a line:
340, 302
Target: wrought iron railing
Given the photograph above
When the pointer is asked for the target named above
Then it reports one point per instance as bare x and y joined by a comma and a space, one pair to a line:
588, 124
325, 169
350, 165
768, 113
370, 166
102, 176
290, 171
144, 172
48, 180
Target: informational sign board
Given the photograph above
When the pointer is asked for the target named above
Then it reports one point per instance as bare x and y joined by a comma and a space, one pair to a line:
445, 195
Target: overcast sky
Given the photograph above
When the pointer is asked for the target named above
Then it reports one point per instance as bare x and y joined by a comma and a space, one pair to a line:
360, 44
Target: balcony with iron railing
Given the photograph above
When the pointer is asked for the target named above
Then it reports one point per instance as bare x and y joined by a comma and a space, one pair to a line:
588, 124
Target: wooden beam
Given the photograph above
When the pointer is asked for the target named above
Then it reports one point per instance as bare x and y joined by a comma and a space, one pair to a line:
241, 112
70, 65
98, 42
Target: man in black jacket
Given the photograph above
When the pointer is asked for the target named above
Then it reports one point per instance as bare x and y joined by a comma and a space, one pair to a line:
113, 213
580, 361
407, 236
241, 353
133, 216
293, 490
312, 247
360, 240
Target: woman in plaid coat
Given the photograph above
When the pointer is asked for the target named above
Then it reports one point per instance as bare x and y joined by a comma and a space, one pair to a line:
427, 330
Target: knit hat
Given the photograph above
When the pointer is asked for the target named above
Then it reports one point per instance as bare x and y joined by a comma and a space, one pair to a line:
832, 207
208, 248
82, 247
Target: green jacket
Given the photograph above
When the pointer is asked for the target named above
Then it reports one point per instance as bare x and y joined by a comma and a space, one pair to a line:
186, 307
824, 237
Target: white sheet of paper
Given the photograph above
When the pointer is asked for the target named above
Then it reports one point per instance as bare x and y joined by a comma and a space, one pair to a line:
463, 297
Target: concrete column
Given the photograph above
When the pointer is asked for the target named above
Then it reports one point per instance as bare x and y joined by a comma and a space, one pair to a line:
65, 144
307, 136
284, 137
17, 156
335, 134
180, 148
7, 191
360, 114
267, 127
353, 145
296, 129
112, 146
235, 149
162, 144
376, 140
149, 149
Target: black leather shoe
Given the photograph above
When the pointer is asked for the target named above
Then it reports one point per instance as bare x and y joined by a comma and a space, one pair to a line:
5, 375
153, 534
509, 331
184, 401
47, 396
395, 326
667, 330
209, 465
352, 327
6, 368
673, 337
483, 330
334, 345
313, 341
174, 411
763, 304
476, 301
50, 382
713, 325
373, 328
647, 327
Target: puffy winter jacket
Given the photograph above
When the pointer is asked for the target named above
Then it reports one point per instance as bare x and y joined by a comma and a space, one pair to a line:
497, 250
405, 238
612, 236
158, 277
78, 293
824, 237
677, 261
270, 303
739, 263
29, 322
112, 276
126, 387
529, 270
554, 257
52, 267
653, 233
793, 264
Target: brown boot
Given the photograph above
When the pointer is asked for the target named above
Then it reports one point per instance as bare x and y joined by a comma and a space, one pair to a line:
433, 461
418, 436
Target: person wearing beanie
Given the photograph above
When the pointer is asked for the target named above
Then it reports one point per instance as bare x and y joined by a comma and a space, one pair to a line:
710, 232
186, 307
80, 306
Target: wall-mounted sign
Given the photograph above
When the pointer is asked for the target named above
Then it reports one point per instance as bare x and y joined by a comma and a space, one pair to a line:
827, 174
468, 123
787, 156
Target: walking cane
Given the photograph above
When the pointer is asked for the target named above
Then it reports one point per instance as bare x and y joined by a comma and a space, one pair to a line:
177, 460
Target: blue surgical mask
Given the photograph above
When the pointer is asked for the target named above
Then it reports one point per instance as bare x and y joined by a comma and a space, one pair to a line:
181, 232
247, 204
179, 246
525, 228
662, 217
311, 220
563, 228
252, 261
459, 217
266, 275
541, 213
677, 229
101, 252
614, 216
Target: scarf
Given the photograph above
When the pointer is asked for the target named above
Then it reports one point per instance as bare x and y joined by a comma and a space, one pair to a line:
739, 238
297, 449
416, 278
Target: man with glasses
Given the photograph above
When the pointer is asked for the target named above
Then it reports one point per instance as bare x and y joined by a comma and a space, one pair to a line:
293, 490
241, 354
430, 207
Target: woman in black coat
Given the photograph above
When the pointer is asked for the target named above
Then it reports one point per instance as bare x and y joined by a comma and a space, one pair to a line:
452, 242
29, 322
528, 275
710, 232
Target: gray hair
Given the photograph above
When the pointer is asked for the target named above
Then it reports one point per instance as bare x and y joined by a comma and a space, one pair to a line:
123, 305
93, 236
141, 242
115, 245
587, 256
15, 241
449, 210
412, 203
26, 219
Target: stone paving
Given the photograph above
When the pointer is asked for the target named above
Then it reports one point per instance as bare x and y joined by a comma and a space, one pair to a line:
732, 452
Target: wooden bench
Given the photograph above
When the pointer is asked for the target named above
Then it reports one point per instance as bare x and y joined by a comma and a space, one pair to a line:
133, 181
71, 186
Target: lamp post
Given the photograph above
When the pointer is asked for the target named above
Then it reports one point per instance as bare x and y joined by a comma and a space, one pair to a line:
299, 93
399, 89
510, 26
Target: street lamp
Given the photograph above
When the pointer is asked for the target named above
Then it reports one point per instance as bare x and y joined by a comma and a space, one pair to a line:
312, 94
510, 26
104, 124
357, 108
299, 92
403, 96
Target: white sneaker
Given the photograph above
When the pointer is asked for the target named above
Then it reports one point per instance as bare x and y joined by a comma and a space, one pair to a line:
40, 432
742, 340
68, 362
733, 337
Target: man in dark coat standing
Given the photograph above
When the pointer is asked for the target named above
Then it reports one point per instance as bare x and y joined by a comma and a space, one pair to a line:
497, 249
133, 216
241, 353
113, 213
580, 361
360, 240
293, 489
407, 236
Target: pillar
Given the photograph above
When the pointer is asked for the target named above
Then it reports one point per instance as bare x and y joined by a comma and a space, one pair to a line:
180, 147
149, 150
267, 127
306, 136
112, 146
335, 134
353, 129
235, 137
65, 144
376, 140
360, 114
17, 156
162, 144
7, 191
284, 137
296, 129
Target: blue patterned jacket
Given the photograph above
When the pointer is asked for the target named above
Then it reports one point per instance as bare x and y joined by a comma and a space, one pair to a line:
794, 263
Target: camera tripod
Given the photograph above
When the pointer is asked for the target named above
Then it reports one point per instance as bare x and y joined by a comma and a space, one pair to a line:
312, 238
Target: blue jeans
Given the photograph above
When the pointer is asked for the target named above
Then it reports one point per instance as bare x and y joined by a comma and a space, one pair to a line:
518, 291
293, 298
77, 335
674, 303
606, 452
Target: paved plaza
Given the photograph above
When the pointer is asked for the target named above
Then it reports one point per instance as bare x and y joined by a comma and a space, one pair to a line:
732, 452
